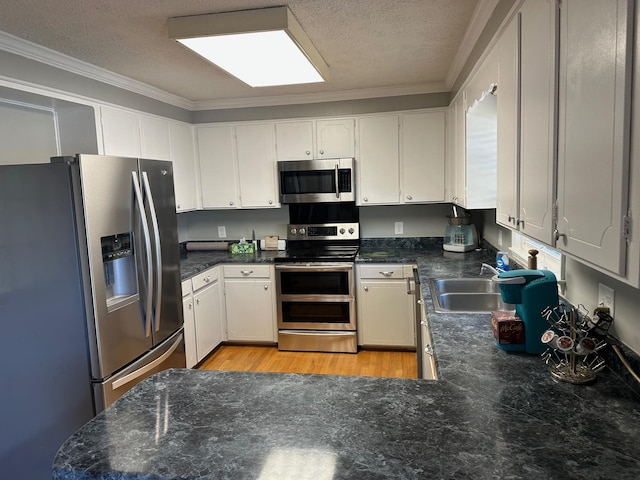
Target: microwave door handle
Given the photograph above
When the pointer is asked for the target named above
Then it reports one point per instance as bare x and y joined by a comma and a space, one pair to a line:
156, 239
337, 183
147, 244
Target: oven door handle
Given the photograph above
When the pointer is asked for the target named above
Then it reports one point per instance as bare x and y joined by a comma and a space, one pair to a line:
337, 183
311, 267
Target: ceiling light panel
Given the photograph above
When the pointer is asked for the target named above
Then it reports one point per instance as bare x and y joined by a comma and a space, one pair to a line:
265, 47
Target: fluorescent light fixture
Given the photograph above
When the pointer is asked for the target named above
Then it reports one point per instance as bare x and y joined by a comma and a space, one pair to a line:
264, 47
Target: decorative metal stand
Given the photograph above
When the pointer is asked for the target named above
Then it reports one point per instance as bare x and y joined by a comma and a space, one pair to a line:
574, 341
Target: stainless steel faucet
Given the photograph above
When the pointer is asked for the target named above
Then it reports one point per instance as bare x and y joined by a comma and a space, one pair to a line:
486, 267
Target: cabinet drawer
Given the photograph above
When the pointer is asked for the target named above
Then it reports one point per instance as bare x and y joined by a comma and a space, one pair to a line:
247, 271
383, 270
204, 278
186, 287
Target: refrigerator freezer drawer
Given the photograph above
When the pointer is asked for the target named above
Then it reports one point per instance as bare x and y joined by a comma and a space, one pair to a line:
169, 354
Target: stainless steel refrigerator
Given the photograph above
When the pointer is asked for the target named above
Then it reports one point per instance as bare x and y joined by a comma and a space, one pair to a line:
90, 300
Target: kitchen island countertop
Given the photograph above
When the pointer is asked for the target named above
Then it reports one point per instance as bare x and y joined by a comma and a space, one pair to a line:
492, 414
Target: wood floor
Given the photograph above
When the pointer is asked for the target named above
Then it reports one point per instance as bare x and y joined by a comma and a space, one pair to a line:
368, 363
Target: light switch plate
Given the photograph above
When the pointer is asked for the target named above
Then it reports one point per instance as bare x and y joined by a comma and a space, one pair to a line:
399, 228
222, 231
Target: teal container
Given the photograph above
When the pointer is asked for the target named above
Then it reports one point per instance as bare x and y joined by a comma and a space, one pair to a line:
536, 290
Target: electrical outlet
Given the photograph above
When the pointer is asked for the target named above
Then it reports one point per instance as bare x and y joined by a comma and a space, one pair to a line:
500, 238
222, 231
606, 297
399, 228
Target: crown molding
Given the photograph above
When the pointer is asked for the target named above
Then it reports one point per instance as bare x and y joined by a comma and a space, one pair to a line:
55, 59
270, 101
481, 15
52, 58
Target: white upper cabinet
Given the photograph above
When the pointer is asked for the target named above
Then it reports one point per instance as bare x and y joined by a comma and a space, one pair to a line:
378, 160
183, 156
422, 156
237, 166
312, 139
401, 158
120, 132
257, 171
335, 138
526, 121
456, 159
508, 155
154, 138
217, 161
595, 74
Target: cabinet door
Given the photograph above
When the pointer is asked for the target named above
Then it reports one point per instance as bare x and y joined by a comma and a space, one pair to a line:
256, 146
508, 126
183, 156
460, 157
249, 305
189, 331
537, 118
294, 140
217, 160
154, 138
595, 71
207, 319
386, 313
378, 164
120, 132
335, 138
423, 157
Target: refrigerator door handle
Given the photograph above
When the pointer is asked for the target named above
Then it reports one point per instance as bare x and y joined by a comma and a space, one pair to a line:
147, 242
148, 367
156, 239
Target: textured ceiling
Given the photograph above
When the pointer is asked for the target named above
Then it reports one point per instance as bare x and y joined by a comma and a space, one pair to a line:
368, 44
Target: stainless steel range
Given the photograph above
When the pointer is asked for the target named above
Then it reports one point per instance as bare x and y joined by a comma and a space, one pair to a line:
316, 288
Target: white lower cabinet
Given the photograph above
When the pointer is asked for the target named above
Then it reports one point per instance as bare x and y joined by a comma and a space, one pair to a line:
427, 355
386, 312
189, 324
202, 315
250, 303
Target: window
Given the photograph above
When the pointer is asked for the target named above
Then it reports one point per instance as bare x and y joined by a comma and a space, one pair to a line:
548, 258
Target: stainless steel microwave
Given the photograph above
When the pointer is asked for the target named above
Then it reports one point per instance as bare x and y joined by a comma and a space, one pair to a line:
313, 181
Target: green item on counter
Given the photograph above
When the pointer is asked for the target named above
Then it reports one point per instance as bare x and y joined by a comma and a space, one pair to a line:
243, 248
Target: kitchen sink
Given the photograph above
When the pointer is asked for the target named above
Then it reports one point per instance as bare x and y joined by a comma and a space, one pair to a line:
466, 295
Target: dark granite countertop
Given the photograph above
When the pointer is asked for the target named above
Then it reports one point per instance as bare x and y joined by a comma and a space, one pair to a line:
492, 414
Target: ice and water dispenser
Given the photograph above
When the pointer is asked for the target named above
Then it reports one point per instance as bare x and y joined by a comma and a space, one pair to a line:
119, 270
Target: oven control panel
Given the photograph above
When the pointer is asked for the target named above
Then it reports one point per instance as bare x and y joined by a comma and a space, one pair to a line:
326, 231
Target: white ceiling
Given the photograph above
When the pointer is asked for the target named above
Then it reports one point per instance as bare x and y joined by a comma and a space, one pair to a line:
373, 47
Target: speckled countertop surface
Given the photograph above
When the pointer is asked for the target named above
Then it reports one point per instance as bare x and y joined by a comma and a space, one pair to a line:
491, 415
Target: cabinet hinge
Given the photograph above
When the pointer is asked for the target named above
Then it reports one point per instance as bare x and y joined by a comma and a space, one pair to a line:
554, 213
626, 226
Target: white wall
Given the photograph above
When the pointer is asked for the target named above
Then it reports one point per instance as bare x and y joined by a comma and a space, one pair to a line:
28, 135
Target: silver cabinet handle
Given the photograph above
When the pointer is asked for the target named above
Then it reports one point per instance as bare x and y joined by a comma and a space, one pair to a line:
190, 305
308, 152
270, 202
246, 272
409, 197
557, 235
428, 350
321, 152
366, 289
365, 199
420, 302
207, 279
198, 302
386, 274
266, 287
409, 290
231, 203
